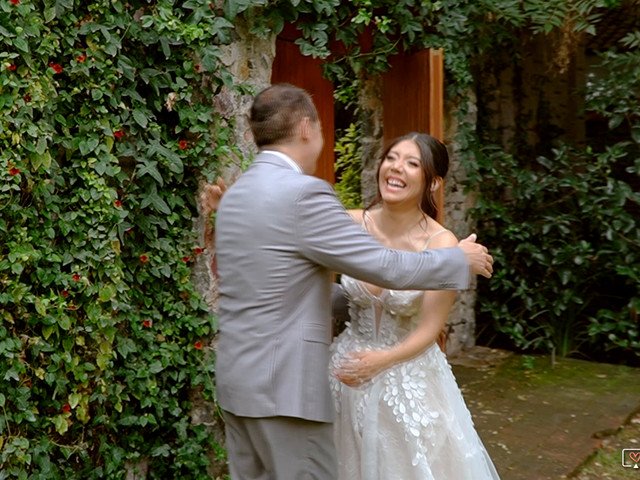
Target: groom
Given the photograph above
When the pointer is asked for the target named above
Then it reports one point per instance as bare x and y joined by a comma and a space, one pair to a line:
280, 233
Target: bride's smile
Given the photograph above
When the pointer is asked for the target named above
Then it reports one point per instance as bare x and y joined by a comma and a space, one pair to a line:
401, 177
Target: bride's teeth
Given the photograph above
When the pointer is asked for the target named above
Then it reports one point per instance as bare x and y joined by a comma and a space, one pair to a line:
395, 183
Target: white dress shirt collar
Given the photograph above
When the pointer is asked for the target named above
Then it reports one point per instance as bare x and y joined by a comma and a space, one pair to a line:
284, 157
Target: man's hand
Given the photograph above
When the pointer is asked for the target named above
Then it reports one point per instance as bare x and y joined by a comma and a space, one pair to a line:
210, 197
477, 255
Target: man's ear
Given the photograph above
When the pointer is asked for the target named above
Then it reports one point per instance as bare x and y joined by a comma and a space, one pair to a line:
304, 127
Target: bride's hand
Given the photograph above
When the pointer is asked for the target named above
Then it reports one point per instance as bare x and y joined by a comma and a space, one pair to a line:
210, 197
209, 202
360, 367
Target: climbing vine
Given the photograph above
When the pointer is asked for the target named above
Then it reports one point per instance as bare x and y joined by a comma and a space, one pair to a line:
105, 130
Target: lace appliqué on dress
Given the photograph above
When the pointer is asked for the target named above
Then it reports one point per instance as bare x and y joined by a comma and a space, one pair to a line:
410, 422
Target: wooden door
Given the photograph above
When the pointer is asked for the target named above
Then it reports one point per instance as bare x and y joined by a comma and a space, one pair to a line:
413, 98
292, 67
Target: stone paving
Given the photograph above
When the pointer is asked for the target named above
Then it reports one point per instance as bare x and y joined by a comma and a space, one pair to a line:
539, 422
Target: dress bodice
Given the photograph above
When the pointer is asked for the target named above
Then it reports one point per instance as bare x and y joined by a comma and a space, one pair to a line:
385, 318
409, 422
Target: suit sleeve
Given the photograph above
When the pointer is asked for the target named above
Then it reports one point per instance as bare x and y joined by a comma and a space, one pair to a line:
328, 236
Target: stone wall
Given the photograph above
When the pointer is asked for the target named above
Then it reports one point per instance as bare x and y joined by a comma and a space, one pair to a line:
249, 59
462, 320
370, 118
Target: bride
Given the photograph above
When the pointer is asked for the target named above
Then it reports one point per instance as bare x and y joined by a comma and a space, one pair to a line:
400, 414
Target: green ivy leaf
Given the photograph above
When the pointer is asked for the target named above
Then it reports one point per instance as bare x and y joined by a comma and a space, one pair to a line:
152, 198
166, 48
48, 330
64, 322
40, 307
107, 292
161, 451
74, 400
49, 14
233, 7
140, 118
125, 347
11, 374
156, 367
174, 160
21, 44
102, 360
150, 168
60, 424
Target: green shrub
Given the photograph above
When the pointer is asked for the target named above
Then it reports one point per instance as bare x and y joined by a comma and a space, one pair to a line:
348, 167
567, 233
106, 126
566, 250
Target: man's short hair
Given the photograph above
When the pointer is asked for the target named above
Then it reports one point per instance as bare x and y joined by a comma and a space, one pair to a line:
277, 110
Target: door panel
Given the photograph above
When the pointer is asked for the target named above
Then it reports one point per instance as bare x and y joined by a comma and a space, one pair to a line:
413, 99
291, 66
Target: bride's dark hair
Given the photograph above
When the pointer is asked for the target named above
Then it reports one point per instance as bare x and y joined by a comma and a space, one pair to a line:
435, 163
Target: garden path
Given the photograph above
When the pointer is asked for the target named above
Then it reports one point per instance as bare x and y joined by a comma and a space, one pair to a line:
542, 423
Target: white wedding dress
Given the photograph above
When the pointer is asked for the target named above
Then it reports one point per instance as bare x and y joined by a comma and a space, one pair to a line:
410, 422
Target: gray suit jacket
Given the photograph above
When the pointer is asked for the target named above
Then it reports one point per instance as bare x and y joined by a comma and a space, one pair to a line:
279, 235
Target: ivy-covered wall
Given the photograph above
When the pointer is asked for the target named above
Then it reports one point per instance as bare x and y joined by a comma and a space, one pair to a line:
106, 127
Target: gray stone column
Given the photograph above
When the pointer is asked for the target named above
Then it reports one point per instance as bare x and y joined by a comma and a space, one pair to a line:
462, 320
370, 118
249, 60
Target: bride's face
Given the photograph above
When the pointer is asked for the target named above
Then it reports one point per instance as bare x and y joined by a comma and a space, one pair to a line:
401, 177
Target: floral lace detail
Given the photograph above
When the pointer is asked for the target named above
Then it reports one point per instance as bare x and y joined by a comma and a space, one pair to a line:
404, 392
399, 309
403, 386
410, 422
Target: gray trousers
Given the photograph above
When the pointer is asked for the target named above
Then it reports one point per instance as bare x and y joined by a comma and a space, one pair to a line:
279, 448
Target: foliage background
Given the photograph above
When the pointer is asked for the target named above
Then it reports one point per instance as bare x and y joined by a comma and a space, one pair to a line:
348, 167
106, 127
564, 220
105, 130
561, 223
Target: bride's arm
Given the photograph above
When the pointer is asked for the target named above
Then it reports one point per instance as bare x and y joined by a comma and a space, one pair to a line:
436, 305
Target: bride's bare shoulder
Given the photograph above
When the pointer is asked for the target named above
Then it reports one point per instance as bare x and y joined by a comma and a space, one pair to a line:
442, 239
356, 214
